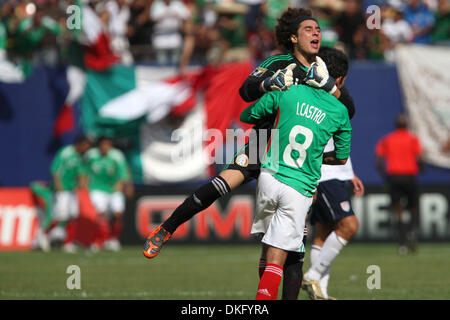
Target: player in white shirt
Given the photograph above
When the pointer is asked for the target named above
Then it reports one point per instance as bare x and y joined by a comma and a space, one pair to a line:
397, 30
334, 221
168, 17
119, 16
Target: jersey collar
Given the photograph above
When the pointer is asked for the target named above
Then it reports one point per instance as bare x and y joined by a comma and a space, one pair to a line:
303, 67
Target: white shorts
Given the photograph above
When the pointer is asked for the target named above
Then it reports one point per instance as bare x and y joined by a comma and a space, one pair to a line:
108, 202
65, 206
280, 214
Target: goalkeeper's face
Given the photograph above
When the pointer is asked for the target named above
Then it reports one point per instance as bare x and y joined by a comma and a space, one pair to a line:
308, 39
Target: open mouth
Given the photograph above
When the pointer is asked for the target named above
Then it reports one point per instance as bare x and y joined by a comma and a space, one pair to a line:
315, 44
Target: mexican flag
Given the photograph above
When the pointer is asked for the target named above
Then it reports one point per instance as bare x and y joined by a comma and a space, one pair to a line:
162, 118
95, 54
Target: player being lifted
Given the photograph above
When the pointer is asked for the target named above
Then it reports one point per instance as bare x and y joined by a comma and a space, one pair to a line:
299, 34
306, 118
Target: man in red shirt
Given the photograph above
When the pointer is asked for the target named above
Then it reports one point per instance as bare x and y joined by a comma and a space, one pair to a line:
399, 161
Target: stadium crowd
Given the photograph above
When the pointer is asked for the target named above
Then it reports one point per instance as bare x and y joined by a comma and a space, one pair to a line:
200, 31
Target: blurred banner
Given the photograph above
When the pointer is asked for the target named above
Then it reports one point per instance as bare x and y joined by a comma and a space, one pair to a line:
228, 220
425, 80
18, 218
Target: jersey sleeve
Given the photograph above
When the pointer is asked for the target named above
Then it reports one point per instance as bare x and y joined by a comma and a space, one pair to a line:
122, 165
342, 139
249, 91
56, 163
123, 171
261, 109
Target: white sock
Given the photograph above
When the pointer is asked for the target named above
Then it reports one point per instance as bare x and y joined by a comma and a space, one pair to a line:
323, 282
315, 252
313, 257
331, 248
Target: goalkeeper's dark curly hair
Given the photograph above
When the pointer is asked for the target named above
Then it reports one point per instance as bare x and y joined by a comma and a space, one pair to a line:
283, 29
336, 61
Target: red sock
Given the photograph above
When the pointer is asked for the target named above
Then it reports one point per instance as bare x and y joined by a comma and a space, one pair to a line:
51, 226
269, 283
117, 228
102, 233
262, 266
71, 229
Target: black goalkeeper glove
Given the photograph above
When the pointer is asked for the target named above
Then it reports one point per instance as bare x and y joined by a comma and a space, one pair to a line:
318, 77
281, 80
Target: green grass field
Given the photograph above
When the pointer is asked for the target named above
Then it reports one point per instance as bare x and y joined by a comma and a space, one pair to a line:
210, 272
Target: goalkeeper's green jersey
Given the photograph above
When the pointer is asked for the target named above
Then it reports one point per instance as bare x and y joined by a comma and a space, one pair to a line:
68, 166
105, 171
306, 118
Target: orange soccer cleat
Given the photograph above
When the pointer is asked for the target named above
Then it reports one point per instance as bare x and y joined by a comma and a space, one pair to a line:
155, 241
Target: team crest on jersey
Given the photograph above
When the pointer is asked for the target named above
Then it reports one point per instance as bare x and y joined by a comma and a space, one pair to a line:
345, 205
258, 72
242, 160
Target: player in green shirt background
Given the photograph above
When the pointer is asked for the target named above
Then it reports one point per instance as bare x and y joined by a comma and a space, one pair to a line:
69, 173
306, 118
108, 173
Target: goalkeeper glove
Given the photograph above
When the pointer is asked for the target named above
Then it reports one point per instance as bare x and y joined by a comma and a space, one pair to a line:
318, 77
281, 80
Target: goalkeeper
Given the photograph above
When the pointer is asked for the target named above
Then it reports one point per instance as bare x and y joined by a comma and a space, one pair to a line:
299, 34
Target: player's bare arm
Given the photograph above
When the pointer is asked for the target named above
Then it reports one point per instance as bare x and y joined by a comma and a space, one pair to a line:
57, 183
330, 159
83, 181
119, 186
358, 186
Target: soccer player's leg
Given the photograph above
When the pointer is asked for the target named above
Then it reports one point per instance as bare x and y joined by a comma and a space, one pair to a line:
399, 228
201, 199
314, 287
280, 215
292, 275
235, 174
100, 201
263, 259
320, 235
62, 206
264, 211
412, 195
273, 272
333, 206
117, 205
72, 223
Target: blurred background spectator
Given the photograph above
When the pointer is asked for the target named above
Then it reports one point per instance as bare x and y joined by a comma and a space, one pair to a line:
396, 29
168, 17
441, 31
421, 19
163, 31
349, 24
117, 16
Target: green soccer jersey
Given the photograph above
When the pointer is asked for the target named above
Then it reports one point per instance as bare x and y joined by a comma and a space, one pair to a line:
306, 119
68, 166
106, 171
